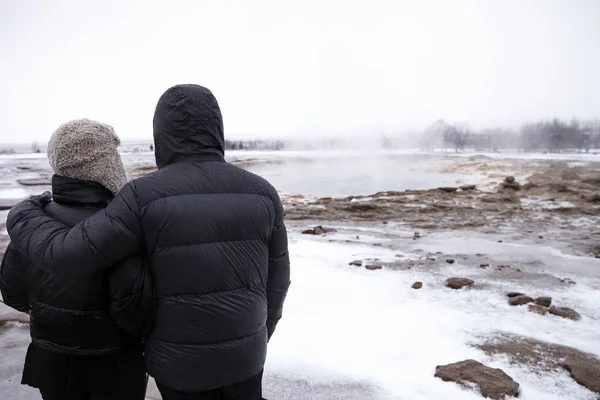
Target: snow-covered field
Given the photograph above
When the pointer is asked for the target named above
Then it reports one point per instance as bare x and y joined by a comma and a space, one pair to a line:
351, 333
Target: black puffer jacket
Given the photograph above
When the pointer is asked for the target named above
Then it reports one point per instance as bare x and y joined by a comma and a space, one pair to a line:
81, 315
215, 239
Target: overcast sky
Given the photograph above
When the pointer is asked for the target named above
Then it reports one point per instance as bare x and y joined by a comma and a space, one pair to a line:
305, 68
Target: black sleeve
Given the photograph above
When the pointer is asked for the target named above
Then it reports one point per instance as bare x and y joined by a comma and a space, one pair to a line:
13, 279
132, 300
279, 271
97, 243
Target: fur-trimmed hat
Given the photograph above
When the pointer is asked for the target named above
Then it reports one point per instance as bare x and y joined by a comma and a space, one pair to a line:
87, 150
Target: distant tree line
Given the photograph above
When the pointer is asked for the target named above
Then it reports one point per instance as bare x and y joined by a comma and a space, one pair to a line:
254, 145
551, 136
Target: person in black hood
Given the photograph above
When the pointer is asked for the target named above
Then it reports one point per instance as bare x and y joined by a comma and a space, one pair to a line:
87, 330
216, 243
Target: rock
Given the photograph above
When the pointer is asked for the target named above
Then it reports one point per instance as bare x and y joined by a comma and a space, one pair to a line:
448, 189
468, 187
595, 198
516, 186
537, 309
520, 300
586, 372
493, 383
565, 313
450, 261
543, 301
458, 283
34, 182
417, 285
417, 235
7, 204
318, 230
14, 317
484, 266
373, 267
509, 179
515, 294
541, 237
356, 263
568, 280
500, 241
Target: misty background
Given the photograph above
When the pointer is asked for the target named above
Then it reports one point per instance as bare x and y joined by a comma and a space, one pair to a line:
429, 74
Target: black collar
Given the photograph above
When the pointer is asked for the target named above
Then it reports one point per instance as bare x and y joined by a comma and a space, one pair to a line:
77, 192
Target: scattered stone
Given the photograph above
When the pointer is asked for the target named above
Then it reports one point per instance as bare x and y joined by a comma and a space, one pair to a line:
356, 263
417, 285
319, 230
565, 312
515, 294
493, 383
417, 235
499, 241
385, 222
484, 266
468, 187
541, 237
458, 283
543, 301
568, 280
34, 182
450, 261
520, 300
510, 183
448, 189
537, 309
519, 270
14, 317
373, 267
377, 245
7, 204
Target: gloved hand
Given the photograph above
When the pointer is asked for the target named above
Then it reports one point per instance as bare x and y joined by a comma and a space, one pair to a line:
41, 200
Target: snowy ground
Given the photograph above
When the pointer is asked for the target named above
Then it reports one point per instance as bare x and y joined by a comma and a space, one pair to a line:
350, 333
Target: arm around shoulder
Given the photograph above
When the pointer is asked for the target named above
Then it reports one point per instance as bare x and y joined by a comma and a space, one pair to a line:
99, 242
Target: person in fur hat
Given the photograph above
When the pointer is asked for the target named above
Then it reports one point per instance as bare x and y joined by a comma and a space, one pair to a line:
86, 331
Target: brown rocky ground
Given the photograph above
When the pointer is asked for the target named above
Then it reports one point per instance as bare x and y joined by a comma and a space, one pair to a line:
555, 199
584, 368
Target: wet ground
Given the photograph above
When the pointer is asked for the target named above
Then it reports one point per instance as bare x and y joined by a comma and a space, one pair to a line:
352, 333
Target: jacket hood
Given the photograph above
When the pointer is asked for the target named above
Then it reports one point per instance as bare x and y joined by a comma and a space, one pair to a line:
187, 123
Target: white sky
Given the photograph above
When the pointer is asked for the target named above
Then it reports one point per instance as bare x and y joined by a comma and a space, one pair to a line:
306, 68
